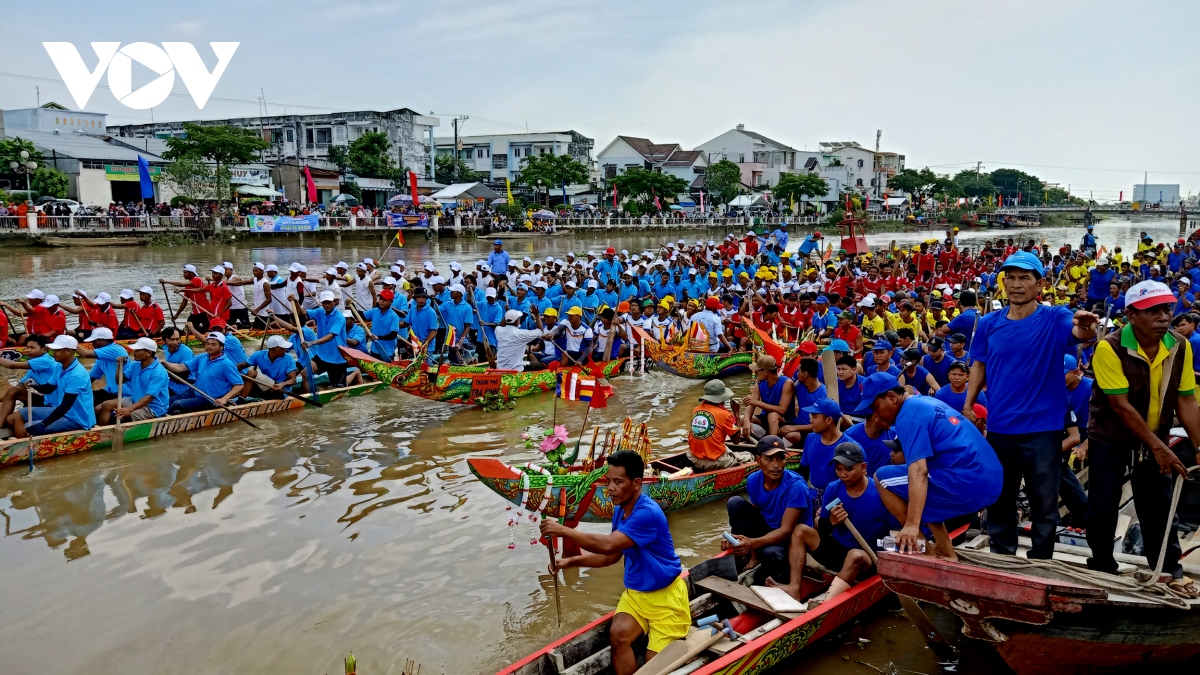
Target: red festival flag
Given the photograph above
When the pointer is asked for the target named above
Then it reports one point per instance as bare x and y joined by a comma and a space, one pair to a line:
614, 197
601, 394
310, 186
1121, 198
412, 185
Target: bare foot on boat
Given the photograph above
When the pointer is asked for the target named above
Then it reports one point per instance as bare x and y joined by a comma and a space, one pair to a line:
791, 589
942, 548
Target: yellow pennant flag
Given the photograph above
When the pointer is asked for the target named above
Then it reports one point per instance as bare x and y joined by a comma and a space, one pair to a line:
508, 186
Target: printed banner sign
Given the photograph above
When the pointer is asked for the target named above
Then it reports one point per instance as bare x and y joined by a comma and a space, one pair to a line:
309, 223
129, 173
483, 385
404, 220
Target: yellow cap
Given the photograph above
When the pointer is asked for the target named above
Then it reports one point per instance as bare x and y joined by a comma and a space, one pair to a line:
668, 298
664, 304
727, 273
744, 274
712, 275
550, 311
785, 254
575, 311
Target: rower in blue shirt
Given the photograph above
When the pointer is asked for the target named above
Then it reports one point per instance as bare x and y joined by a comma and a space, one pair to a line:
423, 320
272, 370
384, 327
950, 469
498, 259
591, 301
609, 268
75, 409
215, 375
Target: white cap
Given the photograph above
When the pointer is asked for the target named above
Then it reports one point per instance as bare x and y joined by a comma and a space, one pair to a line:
489, 293
219, 337
455, 266
525, 277
103, 298
277, 341
388, 281
401, 263
1185, 280
146, 343
259, 266
592, 283
301, 268
331, 272
126, 293
35, 294
219, 269
51, 300
396, 268
147, 290
272, 268
342, 264
437, 280
513, 315
429, 266
570, 254
328, 296
294, 267
348, 314
541, 284
572, 284
526, 259
100, 333
592, 254
63, 342
867, 302
549, 258
458, 288
624, 252
227, 265
189, 268
369, 261
362, 266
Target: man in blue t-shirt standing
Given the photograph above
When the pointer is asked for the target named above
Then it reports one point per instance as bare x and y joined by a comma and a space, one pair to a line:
949, 470
1018, 353
776, 501
655, 601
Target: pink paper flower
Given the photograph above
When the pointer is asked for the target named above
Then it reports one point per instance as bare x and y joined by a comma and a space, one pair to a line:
555, 439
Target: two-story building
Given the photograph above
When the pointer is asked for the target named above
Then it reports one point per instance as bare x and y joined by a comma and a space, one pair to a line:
761, 159
500, 155
631, 152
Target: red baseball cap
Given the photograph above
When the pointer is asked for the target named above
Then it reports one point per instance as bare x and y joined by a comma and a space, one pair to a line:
387, 295
610, 251
980, 412
712, 303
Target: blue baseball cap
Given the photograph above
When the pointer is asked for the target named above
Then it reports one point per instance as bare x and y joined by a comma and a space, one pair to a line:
838, 346
822, 300
1024, 260
1069, 363
824, 406
881, 346
498, 243
875, 386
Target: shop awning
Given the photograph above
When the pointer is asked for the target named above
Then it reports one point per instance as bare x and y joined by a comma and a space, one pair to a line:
258, 191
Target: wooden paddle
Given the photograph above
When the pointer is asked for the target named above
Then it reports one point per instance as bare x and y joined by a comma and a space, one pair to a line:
118, 441
210, 399
309, 377
171, 311
289, 394
937, 641
29, 419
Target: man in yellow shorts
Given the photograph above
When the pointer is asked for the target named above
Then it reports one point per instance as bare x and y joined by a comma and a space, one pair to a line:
655, 601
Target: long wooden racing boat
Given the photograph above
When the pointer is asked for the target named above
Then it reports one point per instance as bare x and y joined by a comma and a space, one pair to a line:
17, 451
694, 365
586, 491
765, 637
1040, 624
470, 385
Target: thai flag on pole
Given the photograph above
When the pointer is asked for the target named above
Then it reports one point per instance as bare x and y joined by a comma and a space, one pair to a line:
574, 386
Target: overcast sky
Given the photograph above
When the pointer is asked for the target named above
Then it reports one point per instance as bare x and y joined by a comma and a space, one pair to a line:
1089, 93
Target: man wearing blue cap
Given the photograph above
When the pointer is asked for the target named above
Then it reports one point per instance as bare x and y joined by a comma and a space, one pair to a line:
1018, 353
881, 360
825, 416
498, 260
950, 469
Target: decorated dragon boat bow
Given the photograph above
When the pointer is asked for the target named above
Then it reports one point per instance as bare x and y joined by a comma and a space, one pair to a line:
472, 385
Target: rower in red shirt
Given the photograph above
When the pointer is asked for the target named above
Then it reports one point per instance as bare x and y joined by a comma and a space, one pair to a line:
49, 317
872, 283
194, 292
91, 314
220, 300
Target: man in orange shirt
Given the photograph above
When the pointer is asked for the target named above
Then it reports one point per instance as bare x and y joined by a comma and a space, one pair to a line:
712, 425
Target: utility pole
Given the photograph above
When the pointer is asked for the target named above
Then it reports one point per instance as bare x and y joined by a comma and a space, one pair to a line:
878, 173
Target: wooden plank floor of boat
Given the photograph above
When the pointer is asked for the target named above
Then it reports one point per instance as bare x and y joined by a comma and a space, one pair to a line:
739, 593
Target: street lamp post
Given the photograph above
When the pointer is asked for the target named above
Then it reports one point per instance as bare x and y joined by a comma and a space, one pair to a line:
539, 194
26, 167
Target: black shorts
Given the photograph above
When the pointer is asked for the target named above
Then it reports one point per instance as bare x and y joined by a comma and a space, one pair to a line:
830, 553
100, 396
337, 371
240, 317
200, 321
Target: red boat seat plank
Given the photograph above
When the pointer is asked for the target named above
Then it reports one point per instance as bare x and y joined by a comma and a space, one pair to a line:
969, 580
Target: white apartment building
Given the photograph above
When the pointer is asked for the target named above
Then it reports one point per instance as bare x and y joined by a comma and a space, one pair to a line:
760, 158
500, 155
626, 152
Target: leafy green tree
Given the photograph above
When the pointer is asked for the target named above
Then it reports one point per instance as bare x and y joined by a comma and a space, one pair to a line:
50, 181
919, 184
222, 145
370, 155
1012, 182
973, 183
945, 188
798, 186
724, 180
338, 155
192, 178
10, 151
642, 185
453, 170
351, 188
552, 170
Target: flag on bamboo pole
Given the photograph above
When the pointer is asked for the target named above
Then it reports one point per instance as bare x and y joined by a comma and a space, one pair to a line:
601, 394
574, 386
399, 239
412, 188
508, 187
310, 186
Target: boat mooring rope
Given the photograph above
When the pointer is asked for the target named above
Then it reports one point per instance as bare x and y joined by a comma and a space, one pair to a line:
1151, 590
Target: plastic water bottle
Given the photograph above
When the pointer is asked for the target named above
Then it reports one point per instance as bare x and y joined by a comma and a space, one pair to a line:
888, 543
